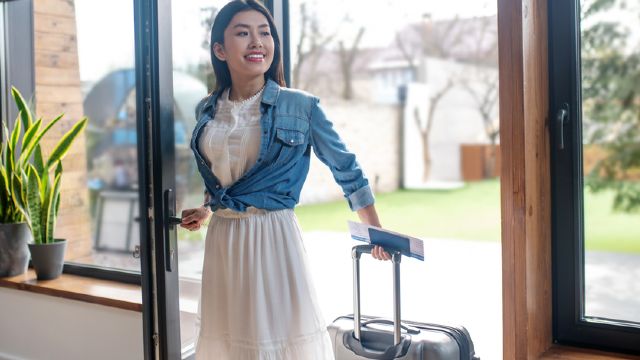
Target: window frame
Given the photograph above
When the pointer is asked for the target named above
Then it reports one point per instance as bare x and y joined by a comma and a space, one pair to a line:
570, 325
17, 64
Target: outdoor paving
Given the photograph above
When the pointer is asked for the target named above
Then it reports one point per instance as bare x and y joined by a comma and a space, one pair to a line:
612, 285
458, 283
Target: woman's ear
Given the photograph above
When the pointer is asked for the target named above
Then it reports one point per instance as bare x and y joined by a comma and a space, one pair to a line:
218, 51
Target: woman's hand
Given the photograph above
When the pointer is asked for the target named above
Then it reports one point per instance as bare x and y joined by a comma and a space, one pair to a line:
368, 215
192, 219
379, 253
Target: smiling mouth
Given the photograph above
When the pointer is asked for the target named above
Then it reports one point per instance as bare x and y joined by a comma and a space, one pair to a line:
255, 57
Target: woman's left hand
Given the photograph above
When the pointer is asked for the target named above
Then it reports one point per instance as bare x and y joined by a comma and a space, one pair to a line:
368, 215
379, 253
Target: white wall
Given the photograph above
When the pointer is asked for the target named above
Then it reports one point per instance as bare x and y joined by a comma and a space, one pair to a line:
371, 131
456, 121
35, 326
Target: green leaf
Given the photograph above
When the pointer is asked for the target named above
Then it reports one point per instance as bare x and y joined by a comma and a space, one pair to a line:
5, 199
9, 164
38, 161
65, 143
19, 197
38, 164
58, 203
26, 153
35, 205
4, 178
58, 173
6, 143
30, 133
15, 135
25, 113
51, 207
58, 169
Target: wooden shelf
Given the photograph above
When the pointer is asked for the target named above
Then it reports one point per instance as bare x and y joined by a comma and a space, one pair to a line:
95, 291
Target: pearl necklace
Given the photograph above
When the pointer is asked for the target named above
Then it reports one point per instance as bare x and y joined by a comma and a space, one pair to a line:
241, 103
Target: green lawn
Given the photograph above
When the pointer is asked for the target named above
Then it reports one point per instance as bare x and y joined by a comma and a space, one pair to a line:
471, 213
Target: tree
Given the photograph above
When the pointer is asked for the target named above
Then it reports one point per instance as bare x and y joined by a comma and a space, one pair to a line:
482, 83
431, 41
347, 59
425, 129
611, 103
310, 46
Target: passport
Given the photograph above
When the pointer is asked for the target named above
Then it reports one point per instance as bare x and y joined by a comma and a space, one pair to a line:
407, 245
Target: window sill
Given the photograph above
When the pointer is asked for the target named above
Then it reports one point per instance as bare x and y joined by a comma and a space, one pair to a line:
569, 353
95, 291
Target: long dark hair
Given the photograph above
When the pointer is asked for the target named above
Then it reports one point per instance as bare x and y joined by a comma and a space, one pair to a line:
222, 20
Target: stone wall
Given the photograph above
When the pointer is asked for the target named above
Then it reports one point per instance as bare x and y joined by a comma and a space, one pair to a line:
370, 131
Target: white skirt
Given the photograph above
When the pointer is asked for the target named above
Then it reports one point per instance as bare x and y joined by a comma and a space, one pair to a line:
258, 300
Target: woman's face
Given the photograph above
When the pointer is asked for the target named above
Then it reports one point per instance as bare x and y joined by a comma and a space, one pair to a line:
248, 46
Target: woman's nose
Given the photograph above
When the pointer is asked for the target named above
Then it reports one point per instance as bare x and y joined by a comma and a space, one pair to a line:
255, 43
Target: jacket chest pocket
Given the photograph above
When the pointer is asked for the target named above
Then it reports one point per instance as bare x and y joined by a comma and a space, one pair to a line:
290, 139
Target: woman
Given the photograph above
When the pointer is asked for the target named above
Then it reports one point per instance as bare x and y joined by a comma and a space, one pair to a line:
252, 144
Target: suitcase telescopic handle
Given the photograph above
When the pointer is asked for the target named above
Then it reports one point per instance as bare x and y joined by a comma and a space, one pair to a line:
356, 252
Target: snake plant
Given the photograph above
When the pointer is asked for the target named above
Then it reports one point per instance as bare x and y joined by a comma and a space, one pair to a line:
33, 182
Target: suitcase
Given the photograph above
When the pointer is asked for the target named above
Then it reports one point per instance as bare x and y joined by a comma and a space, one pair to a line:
364, 337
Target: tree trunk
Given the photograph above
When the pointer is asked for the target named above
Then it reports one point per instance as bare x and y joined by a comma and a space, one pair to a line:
347, 58
424, 136
426, 130
426, 157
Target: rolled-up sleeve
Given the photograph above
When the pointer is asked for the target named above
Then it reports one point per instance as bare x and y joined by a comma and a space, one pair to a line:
331, 150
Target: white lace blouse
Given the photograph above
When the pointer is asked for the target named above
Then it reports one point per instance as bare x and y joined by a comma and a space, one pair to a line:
231, 141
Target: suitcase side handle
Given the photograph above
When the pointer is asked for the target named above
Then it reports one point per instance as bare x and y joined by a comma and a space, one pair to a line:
396, 256
407, 328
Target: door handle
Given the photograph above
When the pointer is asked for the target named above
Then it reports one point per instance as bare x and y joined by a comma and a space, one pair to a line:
562, 118
169, 222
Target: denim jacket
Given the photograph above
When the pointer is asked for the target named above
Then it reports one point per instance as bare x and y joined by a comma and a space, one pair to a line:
292, 124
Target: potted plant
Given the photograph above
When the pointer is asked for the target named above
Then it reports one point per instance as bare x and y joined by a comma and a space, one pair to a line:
36, 189
14, 231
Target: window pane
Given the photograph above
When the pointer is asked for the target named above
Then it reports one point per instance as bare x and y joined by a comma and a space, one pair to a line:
412, 90
610, 41
107, 74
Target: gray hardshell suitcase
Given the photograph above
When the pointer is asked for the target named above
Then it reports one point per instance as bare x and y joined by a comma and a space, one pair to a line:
363, 337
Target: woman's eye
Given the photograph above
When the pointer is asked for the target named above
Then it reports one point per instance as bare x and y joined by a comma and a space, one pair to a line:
243, 33
266, 33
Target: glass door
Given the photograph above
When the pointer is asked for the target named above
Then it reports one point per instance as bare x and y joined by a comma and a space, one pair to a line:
193, 79
174, 74
155, 121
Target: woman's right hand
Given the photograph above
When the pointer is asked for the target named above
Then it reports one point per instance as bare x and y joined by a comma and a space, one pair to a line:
192, 219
